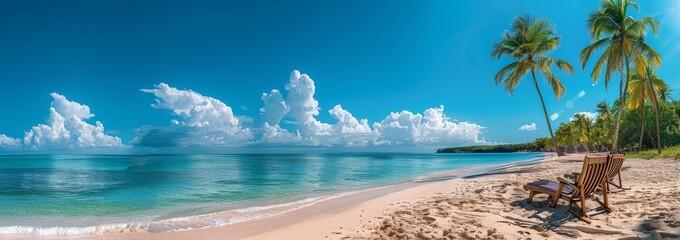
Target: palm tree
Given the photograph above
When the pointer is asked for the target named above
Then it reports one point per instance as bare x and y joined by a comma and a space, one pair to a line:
623, 42
643, 87
566, 135
606, 114
528, 43
665, 96
600, 134
637, 101
581, 129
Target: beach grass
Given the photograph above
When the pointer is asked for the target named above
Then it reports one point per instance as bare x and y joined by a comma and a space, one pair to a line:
672, 152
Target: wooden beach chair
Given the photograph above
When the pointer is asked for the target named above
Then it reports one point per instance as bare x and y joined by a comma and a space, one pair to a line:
615, 164
593, 174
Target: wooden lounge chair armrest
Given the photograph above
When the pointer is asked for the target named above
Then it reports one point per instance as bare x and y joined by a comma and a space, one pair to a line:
573, 175
567, 182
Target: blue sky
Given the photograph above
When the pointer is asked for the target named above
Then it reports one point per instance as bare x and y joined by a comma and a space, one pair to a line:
371, 57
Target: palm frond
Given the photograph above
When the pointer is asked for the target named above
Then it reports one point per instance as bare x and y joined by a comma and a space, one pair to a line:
558, 88
564, 66
498, 79
586, 52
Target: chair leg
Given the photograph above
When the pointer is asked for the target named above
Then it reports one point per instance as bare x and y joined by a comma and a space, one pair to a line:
555, 201
557, 195
583, 205
605, 189
531, 196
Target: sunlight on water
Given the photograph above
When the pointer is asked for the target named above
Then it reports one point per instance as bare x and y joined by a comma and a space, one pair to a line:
66, 194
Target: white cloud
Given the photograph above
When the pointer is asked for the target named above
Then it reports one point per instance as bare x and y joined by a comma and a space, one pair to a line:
195, 109
528, 127
207, 121
590, 115
303, 107
9, 142
347, 123
277, 136
66, 129
396, 129
274, 107
204, 121
434, 128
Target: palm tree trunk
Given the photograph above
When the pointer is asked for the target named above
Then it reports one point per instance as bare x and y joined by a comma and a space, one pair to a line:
622, 100
651, 139
609, 120
656, 111
642, 127
545, 112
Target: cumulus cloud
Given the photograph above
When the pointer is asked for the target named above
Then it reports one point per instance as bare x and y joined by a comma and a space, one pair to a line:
303, 107
590, 115
9, 142
275, 135
203, 120
274, 107
66, 128
348, 123
300, 106
195, 109
528, 127
432, 128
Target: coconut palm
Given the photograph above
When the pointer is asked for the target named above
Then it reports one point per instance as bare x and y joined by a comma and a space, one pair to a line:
581, 129
622, 38
528, 43
565, 134
665, 96
604, 112
647, 87
600, 134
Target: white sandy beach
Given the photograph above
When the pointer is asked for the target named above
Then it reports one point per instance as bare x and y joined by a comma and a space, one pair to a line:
487, 206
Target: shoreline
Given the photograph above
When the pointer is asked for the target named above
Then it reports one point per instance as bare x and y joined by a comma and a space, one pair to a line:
491, 205
354, 196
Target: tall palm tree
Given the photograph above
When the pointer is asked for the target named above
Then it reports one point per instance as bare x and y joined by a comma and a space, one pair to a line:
622, 36
637, 101
528, 43
606, 114
647, 87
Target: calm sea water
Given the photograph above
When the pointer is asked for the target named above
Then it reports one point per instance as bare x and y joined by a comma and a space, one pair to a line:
75, 194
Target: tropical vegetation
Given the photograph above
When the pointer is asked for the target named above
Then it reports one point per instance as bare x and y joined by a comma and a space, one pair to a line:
623, 39
502, 148
643, 117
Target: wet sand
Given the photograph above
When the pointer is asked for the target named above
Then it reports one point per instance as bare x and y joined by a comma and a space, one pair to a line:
486, 206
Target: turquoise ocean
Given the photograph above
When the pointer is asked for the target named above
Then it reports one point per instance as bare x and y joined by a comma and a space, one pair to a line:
90, 194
